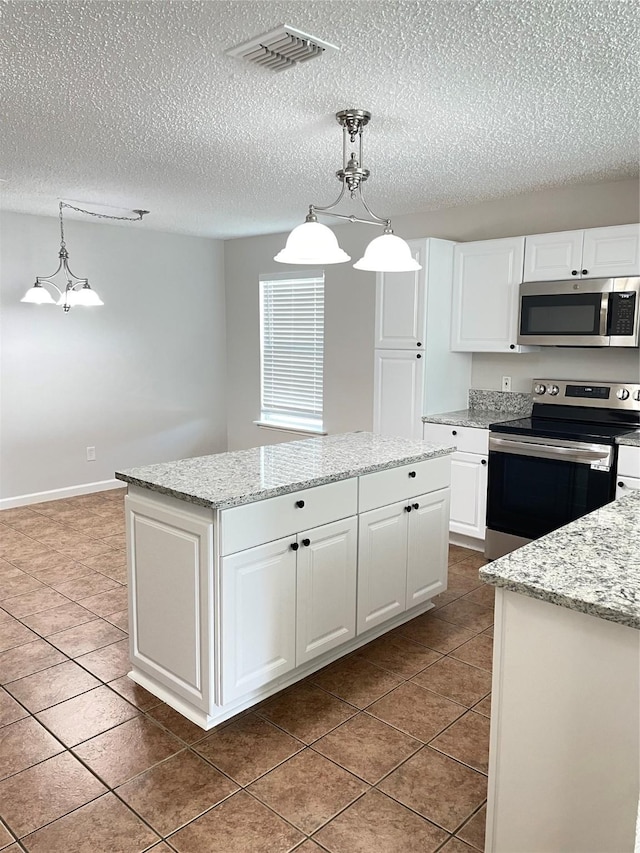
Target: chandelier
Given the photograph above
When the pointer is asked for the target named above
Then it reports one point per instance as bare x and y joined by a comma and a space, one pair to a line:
76, 291
314, 243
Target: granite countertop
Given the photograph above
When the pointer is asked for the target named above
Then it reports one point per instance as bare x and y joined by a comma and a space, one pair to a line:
229, 479
630, 438
591, 565
478, 418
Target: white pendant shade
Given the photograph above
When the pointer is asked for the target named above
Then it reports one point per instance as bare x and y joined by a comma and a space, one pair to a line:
387, 253
37, 295
67, 297
312, 243
86, 296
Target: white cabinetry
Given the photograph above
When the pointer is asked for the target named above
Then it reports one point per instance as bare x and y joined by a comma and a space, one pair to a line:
403, 545
486, 275
628, 471
591, 253
468, 479
415, 371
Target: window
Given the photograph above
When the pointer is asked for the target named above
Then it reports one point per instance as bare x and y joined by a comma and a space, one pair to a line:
292, 350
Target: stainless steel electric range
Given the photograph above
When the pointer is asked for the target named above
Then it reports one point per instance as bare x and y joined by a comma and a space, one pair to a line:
559, 464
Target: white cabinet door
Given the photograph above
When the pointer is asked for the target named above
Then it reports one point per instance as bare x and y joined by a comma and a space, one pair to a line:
550, 257
400, 313
468, 494
486, 276
326, 592
610, 252
258, 608
382, 565
398, 393
625, 485
428, 547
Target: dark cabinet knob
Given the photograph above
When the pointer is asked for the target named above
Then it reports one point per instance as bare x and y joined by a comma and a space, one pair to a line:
419, 344
512, 346
306, 542
299, 504
416, 506
454, 432
412, 474
584, 272
419, 355
621, 484
407, 509
574, 272
483, 461
294, 546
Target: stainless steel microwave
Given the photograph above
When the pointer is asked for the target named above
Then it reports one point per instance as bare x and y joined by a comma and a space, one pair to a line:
596, 312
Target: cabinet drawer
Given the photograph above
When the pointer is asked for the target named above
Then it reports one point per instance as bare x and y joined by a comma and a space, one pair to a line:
466, 439
406, 481
263, 521
628, 461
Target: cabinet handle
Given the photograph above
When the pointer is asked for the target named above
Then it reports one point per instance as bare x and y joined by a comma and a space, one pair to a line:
483, 461
419, 355
574, 272
294, 546
306, 542
419, 344
299, 504
454, 432
584, 272
407, 508
512, 346
416, 506
621, 484
412, 473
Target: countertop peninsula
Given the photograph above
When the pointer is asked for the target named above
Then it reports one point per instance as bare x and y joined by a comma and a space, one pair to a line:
224, 480
591, 565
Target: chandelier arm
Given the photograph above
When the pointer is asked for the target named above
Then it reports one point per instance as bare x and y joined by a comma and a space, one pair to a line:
78, 280
41, 279
329, 206
382, 223
380, 219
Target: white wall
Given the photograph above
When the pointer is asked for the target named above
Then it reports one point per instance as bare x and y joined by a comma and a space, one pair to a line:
142, 379
350, 298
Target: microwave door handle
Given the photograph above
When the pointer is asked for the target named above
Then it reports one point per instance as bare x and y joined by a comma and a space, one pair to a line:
604, 313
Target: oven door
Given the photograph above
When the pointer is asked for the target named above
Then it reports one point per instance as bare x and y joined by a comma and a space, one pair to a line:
565, 313
539, 484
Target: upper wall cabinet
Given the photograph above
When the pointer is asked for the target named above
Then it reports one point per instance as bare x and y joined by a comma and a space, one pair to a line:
486, 275
593, 253
400, 305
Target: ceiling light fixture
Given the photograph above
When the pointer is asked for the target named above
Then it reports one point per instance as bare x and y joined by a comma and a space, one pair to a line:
77, 290
314, 243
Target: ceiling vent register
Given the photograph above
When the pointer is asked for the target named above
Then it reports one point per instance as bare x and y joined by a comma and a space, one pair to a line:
281, 48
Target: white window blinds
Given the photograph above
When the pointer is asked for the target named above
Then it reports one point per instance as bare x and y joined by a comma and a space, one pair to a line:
292, 349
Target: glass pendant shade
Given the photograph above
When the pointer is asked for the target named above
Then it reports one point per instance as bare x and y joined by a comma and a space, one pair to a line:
37, 295
86, 296
387, 253
312, 243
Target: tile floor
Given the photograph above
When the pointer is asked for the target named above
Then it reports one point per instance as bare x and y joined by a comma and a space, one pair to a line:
384, 751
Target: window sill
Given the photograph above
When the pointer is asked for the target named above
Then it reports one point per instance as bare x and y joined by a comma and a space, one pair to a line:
300, 430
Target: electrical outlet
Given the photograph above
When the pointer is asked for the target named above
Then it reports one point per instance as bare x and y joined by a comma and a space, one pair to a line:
91, 454
506, 383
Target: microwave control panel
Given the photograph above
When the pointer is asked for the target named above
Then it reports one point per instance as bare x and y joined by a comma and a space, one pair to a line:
622, 312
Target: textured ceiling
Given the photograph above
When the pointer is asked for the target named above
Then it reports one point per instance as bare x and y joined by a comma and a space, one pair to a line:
134, 104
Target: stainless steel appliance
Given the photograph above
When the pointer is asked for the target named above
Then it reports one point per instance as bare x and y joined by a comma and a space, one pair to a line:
559, 464
597, 312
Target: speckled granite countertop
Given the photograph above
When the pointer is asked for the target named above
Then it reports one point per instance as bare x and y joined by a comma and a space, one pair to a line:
478, 418
242, 476
591, 565
631, 438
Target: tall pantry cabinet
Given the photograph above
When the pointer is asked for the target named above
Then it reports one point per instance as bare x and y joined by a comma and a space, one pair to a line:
415, 371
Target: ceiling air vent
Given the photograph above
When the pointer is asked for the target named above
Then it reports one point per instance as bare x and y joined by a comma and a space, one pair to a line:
281, 48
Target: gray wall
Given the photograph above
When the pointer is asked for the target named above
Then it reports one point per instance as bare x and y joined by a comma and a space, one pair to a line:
142, 379
350, 297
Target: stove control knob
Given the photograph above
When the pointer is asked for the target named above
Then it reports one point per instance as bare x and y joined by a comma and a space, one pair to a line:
553, 390
539, 389
622, 394
636, 396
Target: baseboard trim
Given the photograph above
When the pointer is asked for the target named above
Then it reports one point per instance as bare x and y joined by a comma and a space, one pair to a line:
466, 541
59, 494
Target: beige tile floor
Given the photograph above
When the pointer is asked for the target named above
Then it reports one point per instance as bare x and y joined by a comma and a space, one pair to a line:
384, 751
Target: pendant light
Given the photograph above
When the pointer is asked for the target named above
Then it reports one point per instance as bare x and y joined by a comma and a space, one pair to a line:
314, 243
77, 291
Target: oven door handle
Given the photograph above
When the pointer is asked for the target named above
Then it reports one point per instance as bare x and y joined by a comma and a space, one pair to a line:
584, 454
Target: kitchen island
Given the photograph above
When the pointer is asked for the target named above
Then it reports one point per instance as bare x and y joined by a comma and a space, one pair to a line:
249, 570
564, 767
